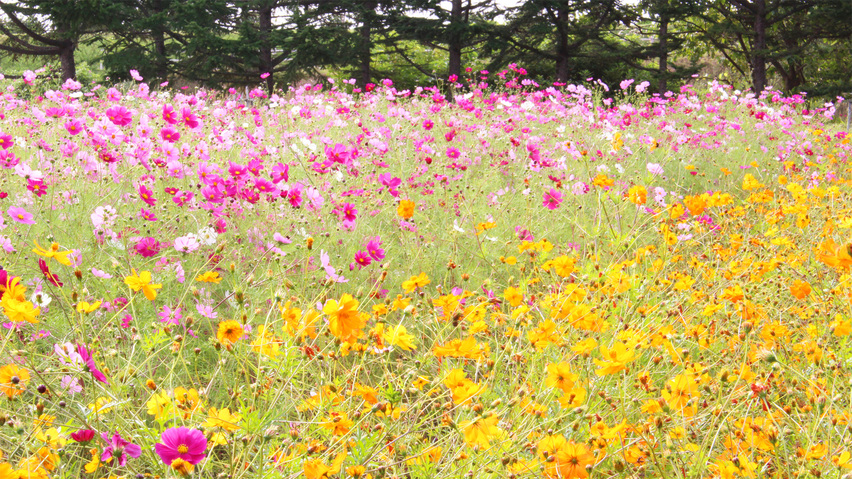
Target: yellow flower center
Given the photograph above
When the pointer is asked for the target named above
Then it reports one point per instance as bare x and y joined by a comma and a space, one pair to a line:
183, 449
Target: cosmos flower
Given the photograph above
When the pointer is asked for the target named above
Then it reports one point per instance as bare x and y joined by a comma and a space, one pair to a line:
50, 277
552, 199
90, 364
181, 443
20, 215
119, 449
142, 282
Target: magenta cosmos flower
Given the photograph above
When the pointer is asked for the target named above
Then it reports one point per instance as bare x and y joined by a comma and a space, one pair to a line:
91, 366
182, 443
552, 199
118, 448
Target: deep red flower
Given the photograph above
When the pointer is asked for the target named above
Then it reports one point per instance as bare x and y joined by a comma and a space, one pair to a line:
45, 270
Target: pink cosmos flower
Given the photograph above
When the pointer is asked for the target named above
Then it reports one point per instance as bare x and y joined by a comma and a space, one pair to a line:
264, 186
236, 170
83, 435
20, 215
330, 272
170, 115
8, 160
281, 239
113, 95
147, 247
187, 244
100, 274
189, 118
171, 316
73, 126
294, 195
552, 199
280, 172
37, 187
6, 141
135, 75
362, 258
374, 247
119, 115
182, 443
349, 212
655, 169
183, 198
91, 366
169, 134
146, 195
119, 448
453, 152
338, 154
147, 215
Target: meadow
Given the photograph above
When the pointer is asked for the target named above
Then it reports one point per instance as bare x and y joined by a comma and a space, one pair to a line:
524, 280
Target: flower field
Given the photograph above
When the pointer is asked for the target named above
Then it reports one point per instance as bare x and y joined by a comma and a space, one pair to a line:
521, 281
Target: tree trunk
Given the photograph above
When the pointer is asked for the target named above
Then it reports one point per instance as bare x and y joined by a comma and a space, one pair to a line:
366, 31
563, 55
265, 54
758, 62
454, 40
795, 77
159, 37
663, 70
161, 69
66, 60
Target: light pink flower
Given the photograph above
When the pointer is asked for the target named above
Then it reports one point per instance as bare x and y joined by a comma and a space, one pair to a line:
20, 215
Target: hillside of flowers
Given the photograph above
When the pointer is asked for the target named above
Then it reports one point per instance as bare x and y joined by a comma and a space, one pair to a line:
514, 281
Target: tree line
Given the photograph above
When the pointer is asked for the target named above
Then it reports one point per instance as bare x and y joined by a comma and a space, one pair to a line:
800, 44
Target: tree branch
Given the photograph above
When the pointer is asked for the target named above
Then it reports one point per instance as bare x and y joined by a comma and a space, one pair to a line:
35, 36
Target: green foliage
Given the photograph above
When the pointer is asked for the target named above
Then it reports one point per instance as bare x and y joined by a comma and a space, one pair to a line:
233, 42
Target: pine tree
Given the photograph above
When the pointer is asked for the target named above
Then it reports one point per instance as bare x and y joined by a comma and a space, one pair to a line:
565, 39
53, 28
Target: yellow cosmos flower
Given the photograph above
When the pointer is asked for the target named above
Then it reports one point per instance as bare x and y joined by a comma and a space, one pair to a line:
209, 277
142, 282
400, 338
83, 307
53, 252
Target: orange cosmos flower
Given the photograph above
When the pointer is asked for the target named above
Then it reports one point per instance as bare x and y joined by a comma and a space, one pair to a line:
800, 289
229, 332
679, 390
637, 194
13, 380
695, 204
405, 209
564, 459
832, 254
344, 320
559, 376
